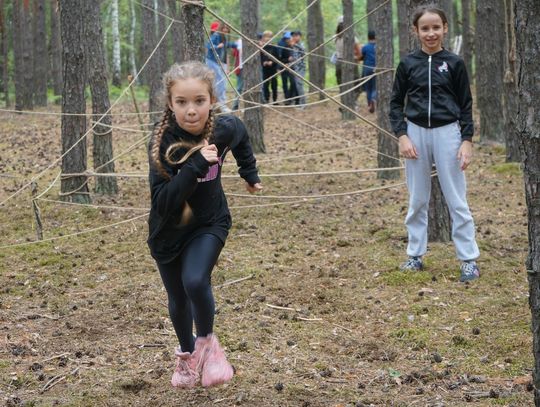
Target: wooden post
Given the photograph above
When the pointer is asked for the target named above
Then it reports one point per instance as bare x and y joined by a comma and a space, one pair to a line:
37, 211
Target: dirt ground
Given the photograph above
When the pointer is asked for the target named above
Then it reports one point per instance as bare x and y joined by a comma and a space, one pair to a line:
323, 316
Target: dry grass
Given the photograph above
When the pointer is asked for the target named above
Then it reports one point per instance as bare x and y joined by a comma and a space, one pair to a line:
90, 311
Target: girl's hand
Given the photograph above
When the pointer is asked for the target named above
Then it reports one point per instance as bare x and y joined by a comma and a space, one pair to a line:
220, 45
254, 188
407, 148
464, 154
210, 152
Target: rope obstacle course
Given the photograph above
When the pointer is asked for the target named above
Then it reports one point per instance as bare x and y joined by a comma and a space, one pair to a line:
288, 199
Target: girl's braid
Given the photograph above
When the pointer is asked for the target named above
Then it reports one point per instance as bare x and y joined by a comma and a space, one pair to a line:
156, 143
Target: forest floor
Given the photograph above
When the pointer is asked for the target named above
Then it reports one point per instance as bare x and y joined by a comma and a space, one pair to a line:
324, 316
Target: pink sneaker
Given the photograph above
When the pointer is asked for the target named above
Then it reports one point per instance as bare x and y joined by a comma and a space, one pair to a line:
186, 373
215, 367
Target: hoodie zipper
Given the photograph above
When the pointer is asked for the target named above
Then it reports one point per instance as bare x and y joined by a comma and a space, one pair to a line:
429, 85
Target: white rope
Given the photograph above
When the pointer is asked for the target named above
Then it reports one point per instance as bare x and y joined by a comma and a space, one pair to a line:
9, 246
83, 137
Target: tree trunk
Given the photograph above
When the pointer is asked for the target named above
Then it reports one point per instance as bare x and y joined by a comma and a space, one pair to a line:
116, 59
40, 54
385, 57
194, 49
177, 31
404, 28
22, 48
4, 30
510, 95
468, 39
73, 127
152, 68
164, 47
527, 21
133, 26
348, 99
490, 68
439, 229
371, 20
446, 5
97, 79
55, 50
315, 37
251, 71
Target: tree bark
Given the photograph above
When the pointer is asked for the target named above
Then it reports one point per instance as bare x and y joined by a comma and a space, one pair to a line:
527, 24
371, 20
193, 18
73, 189
116, 58
468, 39
251, 71
439, 229
177, 31
40, 54
385, 57
404, 28
510, 95
4, 30
55, 50
315, 37
133, 26
152, 71
164, 47
449, 11
97, 79
348, 99
490, 68
22, 48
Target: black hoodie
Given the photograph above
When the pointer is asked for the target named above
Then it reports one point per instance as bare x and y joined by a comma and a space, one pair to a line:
437, 91
199, 184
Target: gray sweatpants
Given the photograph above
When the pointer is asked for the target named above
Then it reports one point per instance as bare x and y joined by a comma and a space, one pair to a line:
440, 146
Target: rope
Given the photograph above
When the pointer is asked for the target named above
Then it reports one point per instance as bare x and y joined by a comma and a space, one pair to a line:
39, 175
383, 131
73, 234
301, 58
283, 174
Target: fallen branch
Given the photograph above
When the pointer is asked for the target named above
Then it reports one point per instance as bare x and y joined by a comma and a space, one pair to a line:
235, 281
282, 308
56, 357
53, 382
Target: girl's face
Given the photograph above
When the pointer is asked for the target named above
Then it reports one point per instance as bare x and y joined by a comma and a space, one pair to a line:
191, 101
430, 31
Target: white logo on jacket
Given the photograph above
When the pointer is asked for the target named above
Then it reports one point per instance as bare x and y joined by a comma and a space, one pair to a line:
443, 67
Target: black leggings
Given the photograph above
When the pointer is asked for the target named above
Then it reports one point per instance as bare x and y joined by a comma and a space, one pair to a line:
187, 281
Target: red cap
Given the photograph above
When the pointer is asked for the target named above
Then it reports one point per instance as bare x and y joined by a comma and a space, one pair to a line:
214, 26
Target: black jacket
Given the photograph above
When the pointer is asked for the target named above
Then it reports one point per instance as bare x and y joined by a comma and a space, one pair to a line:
274, 51
198, 183
437, 91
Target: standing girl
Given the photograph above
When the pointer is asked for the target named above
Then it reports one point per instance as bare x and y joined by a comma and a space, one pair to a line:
189, 217
439, 129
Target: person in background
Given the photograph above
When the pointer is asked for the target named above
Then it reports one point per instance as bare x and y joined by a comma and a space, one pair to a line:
238, 65
299, 66
285, 56
269, 68
369, 58
216, 59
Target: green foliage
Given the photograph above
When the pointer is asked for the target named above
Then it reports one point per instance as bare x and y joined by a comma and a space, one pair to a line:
508, 169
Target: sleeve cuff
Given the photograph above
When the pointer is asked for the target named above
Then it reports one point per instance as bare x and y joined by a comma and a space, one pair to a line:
199, 164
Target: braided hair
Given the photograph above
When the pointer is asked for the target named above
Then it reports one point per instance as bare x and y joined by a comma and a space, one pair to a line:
186, 70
